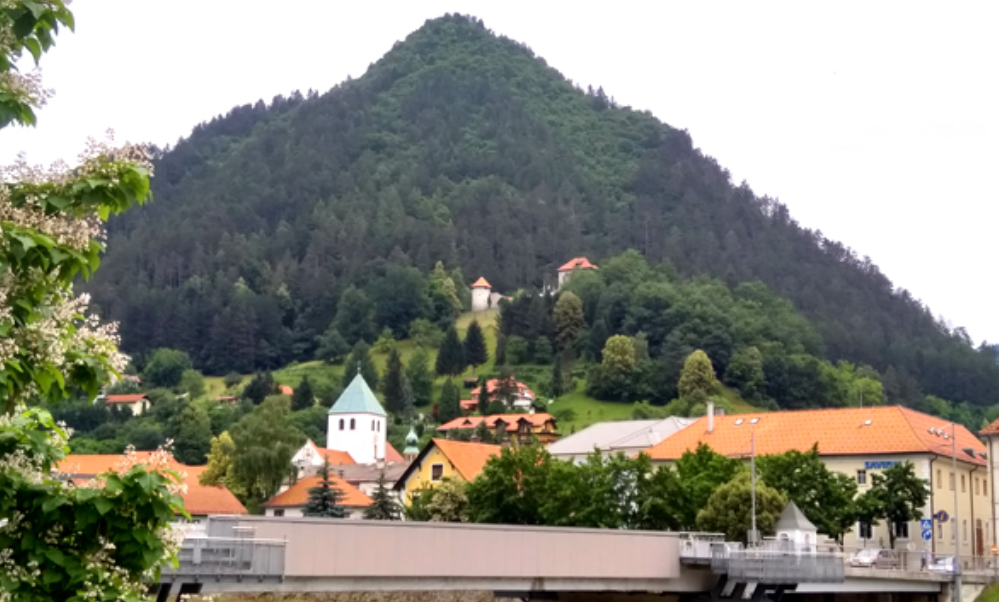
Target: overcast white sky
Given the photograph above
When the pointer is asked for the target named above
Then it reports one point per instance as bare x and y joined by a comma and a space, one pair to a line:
876, 123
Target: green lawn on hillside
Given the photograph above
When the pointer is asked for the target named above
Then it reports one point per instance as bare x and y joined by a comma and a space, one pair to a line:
585, 409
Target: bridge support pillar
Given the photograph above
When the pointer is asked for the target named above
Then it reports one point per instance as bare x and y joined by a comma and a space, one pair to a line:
168, 589
969, 591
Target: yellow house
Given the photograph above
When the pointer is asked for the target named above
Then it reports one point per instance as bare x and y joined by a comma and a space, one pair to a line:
444, 459
860, 442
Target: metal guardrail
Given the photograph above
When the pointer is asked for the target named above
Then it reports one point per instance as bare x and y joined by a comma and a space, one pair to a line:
229, 557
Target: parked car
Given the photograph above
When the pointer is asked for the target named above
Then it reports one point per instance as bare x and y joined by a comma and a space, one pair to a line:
873, 558
943, 564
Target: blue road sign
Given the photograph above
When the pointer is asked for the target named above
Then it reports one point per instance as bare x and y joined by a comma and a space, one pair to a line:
927, 534
926, 523
942, 516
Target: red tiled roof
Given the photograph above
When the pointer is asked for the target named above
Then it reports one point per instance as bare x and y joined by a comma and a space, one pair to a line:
511, 420
839, 431
286, 390
129, 398
577, 263
198, 499
466, 457
481, 283
298, 494
493, 384
391, 455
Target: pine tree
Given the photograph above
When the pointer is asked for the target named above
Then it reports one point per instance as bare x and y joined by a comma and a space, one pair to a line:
476, 353
360, 359
451, 356
558, 384
394, 385
449, 405
259, 387
484, 397
421, 381
383, 504
324, 499
303, 398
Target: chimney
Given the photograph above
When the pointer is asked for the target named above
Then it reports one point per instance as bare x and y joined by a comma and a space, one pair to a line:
711, 416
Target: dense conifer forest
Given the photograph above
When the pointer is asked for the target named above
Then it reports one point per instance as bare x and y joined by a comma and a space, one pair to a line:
463, 147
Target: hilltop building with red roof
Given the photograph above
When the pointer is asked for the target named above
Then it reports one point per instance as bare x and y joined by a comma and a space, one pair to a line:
521, 397
137, 403
576, 263
862, 442
522, 427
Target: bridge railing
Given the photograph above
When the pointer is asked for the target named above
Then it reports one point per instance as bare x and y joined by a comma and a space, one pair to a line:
230, 557
777, 562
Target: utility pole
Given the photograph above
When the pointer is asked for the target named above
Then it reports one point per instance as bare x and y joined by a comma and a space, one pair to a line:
752, 469
956, 595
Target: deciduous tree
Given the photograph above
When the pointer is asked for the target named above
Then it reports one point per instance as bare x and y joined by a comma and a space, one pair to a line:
896, 496
825, 497
569, 320
265, 444
194, 436
449, 502
697, 380
701, 472
729, 509
165, 368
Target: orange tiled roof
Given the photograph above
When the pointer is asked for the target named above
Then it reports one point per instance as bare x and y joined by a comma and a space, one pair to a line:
198, 499
839, 431
298, 494
286, 390
481, 283
392, 455
511, 420
335, 456
466, 457
129, 398
991, 429
577, 263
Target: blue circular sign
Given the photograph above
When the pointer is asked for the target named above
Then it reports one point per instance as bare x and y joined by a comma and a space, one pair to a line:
942, 516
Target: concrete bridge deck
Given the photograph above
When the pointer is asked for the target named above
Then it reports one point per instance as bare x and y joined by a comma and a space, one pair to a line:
300, 555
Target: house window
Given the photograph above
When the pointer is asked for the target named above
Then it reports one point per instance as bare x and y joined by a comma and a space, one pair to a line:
436, 472
861, 477
372, 425
953, 529
939, 480
985, 486
864, 530
952, 481
977, 489
341, 424
902, 530
964, 531
352, 425
939, 530
962, 484
279, 512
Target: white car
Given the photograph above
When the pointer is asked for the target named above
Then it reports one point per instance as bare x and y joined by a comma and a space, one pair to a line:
873, 558
943, 564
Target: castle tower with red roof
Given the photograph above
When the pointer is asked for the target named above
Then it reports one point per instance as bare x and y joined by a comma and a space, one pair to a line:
576, 263
481, 290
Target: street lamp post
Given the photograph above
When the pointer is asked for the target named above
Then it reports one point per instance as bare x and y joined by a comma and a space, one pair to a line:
752, 469
956, 596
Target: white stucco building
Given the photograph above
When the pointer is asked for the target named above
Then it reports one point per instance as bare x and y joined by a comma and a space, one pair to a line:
357, 424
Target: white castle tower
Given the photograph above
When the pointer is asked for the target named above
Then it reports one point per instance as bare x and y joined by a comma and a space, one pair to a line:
481, 291
357, 423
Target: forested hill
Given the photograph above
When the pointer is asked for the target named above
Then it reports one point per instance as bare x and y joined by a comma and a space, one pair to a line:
464, 147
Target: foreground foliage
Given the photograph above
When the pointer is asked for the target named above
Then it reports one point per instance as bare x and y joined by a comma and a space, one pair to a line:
58, 541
